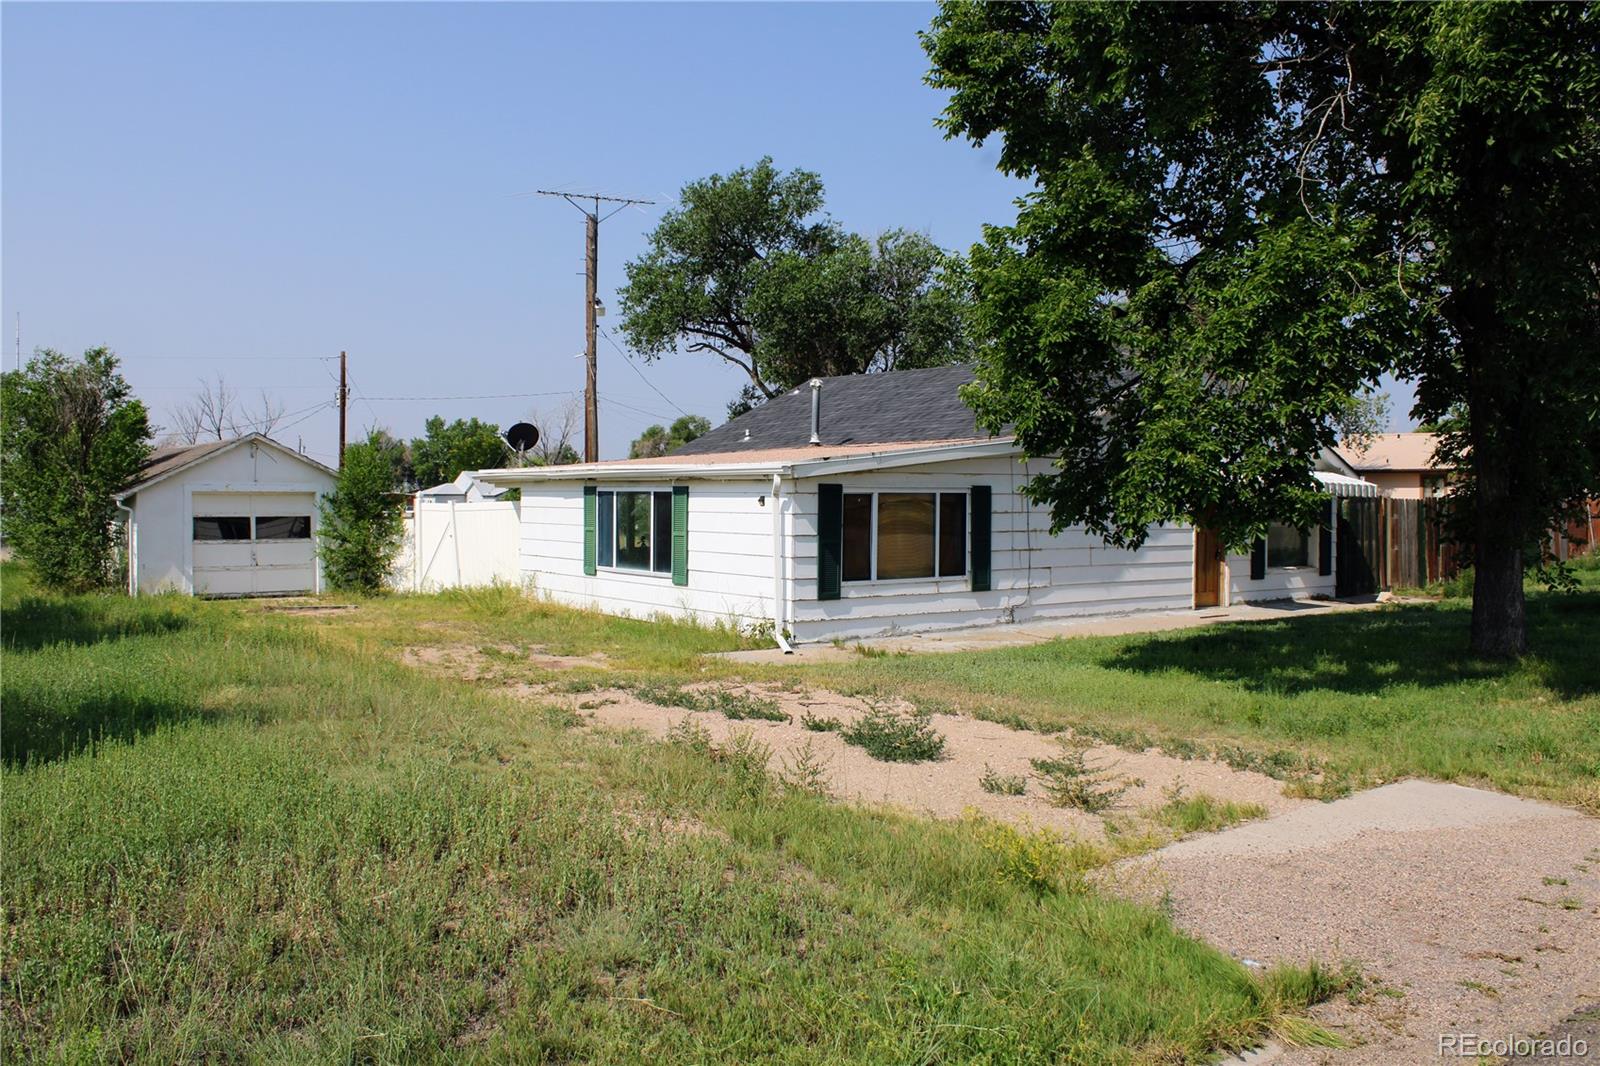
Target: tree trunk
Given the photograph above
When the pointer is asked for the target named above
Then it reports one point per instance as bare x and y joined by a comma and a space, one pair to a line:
1499, 622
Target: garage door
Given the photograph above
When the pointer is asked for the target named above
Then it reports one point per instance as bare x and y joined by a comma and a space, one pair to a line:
254, 543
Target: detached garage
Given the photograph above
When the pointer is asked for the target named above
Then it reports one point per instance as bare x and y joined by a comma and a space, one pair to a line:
225, 518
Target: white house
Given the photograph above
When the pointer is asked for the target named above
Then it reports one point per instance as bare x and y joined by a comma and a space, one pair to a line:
225, 518
864, 505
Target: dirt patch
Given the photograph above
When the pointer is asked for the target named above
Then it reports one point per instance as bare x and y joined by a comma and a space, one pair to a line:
476, 662
310, 608
1473, 912
944, 788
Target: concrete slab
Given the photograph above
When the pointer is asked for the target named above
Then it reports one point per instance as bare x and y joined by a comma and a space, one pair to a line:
1470, 912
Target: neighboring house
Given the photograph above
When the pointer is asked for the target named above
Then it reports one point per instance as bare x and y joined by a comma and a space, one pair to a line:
1400, 464
864, 505
466, 488
225, 518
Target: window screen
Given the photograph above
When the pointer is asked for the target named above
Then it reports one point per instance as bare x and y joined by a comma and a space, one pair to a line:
283, 527
905, 535
605, 542
633, 530
661, 532
857, 548
1287, 546
217, 527
952, 534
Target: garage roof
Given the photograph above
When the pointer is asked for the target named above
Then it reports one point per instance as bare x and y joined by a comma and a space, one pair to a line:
167, 460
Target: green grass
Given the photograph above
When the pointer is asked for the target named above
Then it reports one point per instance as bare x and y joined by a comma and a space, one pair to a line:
1201, 813
1360, 697
232, 834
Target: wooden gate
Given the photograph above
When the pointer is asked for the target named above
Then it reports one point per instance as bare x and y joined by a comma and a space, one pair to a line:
1359, 571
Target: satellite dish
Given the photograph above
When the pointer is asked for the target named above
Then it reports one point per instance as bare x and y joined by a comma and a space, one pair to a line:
522, 436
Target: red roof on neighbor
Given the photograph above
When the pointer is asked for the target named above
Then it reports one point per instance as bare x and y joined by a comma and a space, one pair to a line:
1394, 451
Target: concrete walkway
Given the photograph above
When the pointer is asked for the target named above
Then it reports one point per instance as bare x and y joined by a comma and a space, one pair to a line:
1470, 912
982, 638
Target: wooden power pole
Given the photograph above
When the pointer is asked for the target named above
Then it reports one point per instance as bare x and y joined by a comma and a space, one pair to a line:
344, 405
591, 388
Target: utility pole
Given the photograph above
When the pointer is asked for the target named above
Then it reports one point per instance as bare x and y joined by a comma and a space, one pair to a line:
591, 387
344, 405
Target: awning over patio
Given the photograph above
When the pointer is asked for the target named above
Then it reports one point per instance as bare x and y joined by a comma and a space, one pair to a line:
1343, 485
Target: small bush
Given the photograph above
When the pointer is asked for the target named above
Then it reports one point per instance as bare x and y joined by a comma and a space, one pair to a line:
818, 724
1069, 782
805, 769
690, 734
1037, 859
1201, 813
892, 736
1002, 784
730, 704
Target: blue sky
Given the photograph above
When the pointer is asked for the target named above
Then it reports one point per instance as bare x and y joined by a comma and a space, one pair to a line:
247, 189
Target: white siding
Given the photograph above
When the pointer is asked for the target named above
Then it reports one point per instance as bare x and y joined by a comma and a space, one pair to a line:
462, 544
730, 554
1279, 582
1034, 574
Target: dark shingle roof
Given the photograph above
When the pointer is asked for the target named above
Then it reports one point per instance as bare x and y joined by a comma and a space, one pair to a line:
892, 407
170, 457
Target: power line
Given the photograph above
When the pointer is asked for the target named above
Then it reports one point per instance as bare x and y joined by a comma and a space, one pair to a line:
627, 359
635, 410
489, 396
231, 358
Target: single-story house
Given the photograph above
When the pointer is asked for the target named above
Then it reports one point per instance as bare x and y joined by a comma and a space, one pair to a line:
1402, 465
231, 517
466, 488
863, 505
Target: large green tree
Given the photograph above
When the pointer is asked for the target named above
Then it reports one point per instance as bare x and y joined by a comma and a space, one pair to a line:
72, 435
660, 440
1246, 213
447, 449
747, 268
362, 522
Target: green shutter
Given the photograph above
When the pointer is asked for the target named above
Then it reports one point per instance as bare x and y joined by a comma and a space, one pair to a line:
982, 507
1258, 559
680, 534
830, 540
589, 509
1325, 542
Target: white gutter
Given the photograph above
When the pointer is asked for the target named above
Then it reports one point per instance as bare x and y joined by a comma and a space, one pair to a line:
778, 612
133, 555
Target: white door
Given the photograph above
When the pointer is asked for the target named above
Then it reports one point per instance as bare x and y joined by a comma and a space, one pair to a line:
254, 543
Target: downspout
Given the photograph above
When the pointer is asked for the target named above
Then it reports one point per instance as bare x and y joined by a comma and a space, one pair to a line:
133, 557
777, 565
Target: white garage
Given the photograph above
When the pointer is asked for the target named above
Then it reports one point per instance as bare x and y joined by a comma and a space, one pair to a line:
225, 518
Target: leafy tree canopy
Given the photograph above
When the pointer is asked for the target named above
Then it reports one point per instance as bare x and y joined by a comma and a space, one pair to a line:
446, 450
1246, 213
657, 440
748, 269
361, 526
73, 435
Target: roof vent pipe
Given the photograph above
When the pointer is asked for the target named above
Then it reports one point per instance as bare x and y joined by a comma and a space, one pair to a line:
816, 410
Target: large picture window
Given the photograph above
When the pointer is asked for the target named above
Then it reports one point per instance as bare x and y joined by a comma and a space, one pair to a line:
890, 536
633, 531
1287, 546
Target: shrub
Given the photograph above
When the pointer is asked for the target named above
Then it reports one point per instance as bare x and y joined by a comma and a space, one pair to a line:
730, 704
820, 724
891, 736
72, 436
1002, 784
1069, 781
1037, 859
361, 522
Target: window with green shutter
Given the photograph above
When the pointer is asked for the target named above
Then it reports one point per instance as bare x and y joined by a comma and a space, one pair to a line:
680, 534
830, 540
590, 508
982, 555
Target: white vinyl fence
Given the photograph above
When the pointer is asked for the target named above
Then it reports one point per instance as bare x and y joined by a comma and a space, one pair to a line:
453, 545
